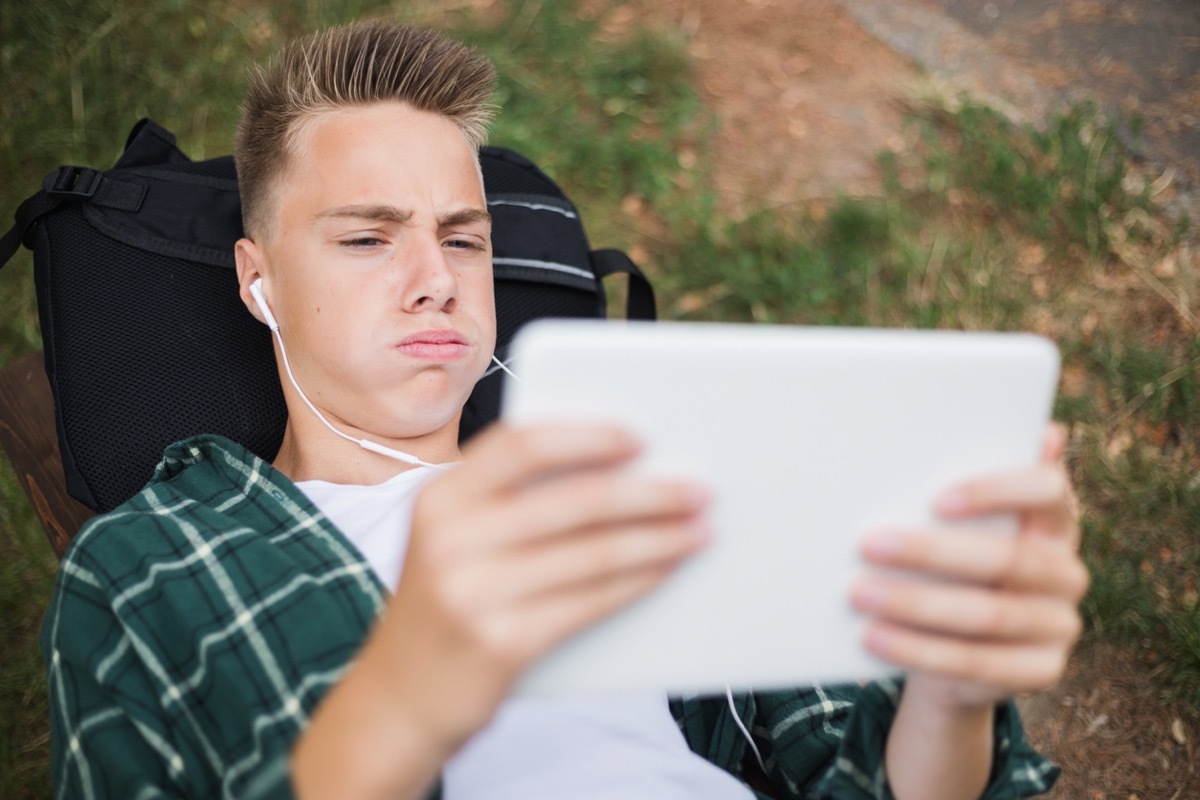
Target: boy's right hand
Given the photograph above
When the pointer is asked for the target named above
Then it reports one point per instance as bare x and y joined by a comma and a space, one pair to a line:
535, 536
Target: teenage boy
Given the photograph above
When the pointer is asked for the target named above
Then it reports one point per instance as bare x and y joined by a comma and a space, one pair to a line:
343, 624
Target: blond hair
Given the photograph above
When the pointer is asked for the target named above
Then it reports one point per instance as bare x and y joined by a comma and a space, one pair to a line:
352, 65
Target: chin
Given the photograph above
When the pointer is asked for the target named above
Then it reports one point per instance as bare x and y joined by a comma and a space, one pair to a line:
414, 417
420, 406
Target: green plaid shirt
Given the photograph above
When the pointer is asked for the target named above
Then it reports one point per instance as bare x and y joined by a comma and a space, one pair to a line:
194, 630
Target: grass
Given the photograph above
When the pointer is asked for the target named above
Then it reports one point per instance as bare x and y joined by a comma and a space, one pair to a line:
607, 131
26, 573
1056, 184
982, 225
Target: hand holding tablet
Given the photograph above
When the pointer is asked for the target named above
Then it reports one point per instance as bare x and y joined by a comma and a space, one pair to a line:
809, 438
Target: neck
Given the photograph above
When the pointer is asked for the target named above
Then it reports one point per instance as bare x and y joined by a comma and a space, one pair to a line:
310, 451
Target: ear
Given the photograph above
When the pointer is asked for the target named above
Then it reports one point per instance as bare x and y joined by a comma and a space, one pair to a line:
252, 265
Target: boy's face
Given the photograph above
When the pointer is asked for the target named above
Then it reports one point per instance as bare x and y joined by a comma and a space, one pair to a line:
379, 268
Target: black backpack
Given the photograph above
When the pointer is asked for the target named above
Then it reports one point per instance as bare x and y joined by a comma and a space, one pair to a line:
147, 342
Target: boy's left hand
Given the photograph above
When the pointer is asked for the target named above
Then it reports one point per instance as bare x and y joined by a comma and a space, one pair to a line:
999, 616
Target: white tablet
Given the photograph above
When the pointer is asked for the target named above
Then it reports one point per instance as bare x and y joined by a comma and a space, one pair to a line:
808, 437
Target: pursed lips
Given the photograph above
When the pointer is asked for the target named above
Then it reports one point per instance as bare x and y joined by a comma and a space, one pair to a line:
436, 345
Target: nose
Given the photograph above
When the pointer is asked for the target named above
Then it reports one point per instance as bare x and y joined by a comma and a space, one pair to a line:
429, 281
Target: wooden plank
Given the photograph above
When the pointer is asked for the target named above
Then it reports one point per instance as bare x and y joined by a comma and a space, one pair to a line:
28, 435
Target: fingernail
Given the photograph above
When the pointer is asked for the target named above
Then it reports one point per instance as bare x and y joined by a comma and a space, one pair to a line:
878, 640
870, 596
882, 545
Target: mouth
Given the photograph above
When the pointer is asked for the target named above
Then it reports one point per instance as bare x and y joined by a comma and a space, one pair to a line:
435, 345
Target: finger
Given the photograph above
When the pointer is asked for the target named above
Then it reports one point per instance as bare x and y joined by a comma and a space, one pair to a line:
1054, 444
968, 611
581, 501
1040, 493
561, 564
556, 616
503, 458
1010, 667
1030, 564
1031, 489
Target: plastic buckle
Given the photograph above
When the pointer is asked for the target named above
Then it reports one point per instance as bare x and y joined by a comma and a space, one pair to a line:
77, 182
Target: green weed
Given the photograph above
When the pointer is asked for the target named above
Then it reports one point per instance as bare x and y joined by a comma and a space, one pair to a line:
606, 116
1061, 183
1137, 467
862, 263
27, 567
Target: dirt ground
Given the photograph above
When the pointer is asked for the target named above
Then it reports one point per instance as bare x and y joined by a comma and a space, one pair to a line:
1139, 57
807, 98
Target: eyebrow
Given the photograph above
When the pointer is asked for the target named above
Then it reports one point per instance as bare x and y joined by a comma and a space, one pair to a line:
464, 216
389, 213
382, 213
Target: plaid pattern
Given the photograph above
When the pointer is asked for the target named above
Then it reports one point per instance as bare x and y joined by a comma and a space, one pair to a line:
194, 630
829, 742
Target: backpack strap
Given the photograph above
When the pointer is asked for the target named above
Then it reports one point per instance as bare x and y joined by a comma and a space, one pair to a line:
640, 302
69, 184
148, 144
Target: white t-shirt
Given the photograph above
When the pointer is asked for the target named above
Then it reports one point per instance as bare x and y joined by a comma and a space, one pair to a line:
611, 747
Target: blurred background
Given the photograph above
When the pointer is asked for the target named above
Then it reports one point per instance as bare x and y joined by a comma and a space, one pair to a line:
905, 164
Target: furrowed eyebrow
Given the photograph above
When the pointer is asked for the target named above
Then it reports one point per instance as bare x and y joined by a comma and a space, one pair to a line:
464, 216
381, 213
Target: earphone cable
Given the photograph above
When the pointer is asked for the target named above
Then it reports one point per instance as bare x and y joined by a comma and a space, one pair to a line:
738, 721
363, 443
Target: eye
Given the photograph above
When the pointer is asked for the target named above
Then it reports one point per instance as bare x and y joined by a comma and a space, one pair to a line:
463, 243
360, 242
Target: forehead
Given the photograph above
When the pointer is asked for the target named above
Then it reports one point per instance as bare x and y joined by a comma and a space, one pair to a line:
382, 154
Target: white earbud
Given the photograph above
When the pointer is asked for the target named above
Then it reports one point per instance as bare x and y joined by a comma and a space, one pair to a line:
257, 292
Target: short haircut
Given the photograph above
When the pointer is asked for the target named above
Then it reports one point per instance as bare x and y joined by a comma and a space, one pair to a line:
346, 66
